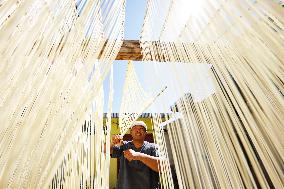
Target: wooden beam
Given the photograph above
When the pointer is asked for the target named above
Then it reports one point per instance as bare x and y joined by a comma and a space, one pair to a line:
130, 50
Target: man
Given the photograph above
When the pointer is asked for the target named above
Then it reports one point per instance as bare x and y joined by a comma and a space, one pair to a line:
138, 160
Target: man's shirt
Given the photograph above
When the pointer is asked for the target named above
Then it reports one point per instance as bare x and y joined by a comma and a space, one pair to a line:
135, 174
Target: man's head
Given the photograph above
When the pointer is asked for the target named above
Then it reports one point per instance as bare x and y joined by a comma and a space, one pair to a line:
138, 130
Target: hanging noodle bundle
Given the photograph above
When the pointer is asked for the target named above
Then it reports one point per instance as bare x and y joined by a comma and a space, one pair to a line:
51, 70
233, 138
134, 99
132, 92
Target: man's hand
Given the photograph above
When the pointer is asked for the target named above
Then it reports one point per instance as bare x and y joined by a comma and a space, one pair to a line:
117, 140
131, 155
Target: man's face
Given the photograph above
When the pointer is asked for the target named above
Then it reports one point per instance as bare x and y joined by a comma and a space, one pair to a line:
138, 132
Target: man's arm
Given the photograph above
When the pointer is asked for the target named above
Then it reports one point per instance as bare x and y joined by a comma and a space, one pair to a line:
151, 161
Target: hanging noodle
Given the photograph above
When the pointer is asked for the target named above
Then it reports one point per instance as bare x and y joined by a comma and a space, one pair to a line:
51, 70
234, 138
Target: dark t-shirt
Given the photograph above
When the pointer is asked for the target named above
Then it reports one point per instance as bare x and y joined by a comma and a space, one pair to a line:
135, 174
